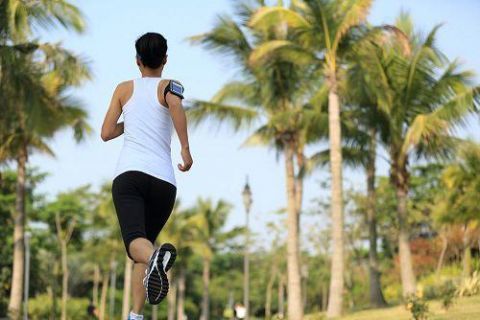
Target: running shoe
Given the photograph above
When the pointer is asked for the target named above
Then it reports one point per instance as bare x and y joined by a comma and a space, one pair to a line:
156, 281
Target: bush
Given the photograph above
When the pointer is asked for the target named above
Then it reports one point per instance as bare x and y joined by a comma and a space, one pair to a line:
417, 306
41, 307
469, 286
434, 283
447, 294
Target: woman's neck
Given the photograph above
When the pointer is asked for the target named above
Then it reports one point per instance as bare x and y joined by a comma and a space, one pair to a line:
152, 73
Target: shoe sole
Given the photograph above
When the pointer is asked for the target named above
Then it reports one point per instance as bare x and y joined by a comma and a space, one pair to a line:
157, 282
168, 247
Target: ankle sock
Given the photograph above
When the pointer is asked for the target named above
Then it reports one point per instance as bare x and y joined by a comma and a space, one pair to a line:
134, 316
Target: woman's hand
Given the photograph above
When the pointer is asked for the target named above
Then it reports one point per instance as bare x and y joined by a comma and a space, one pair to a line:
187, 160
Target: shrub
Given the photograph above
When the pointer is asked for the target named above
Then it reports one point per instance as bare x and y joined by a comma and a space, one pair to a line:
417, 306
40, 308
447, 294
469, 286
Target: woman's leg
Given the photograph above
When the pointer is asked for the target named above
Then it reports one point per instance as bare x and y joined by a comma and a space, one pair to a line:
138, 290
141, 250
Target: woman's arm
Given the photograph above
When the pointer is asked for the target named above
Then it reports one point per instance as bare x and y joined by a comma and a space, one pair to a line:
111, 128
180, 123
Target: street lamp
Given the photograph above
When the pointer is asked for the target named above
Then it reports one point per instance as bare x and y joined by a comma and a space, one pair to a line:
247, 202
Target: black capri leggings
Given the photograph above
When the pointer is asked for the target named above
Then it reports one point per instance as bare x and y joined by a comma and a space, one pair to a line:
143, 204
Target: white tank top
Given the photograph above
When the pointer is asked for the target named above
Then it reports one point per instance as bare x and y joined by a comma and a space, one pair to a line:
147, 133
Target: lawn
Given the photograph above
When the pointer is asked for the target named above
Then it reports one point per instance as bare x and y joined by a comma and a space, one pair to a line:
463, 309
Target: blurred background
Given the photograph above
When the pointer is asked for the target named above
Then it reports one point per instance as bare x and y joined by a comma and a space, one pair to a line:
335, 146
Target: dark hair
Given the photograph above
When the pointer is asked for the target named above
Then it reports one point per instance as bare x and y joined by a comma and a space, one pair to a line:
151, 49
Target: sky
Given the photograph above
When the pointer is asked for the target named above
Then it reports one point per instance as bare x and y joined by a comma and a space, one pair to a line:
220, 164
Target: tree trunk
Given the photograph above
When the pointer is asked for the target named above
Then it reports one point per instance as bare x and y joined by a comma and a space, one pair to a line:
155, 312
171, 297
281, 297
376, 295
56, 268
442, 253
335, 300
268, 297
324, 296
103, 296
295, 307
113, 287
299, 182
127, 287
206, 294
96, 283
16, 291
405, 255
246, 268
181, 295
467, 254
63, 250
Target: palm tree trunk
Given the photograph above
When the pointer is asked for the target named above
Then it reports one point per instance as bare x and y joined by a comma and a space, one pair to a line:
400, 176
155, 312
127, 286
56, 268
172, 298
295, 306
16, 291
268, 297
113, 286
467, 255
299, 182
96, 283
103, 296
281, 297
181, 295
376, 295
206, 294
63, 250
442, 253
324, 296
335, 300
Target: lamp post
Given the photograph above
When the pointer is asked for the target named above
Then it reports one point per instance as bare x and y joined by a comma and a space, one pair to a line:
247, 201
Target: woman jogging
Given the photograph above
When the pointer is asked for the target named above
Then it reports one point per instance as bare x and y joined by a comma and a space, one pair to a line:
144, 186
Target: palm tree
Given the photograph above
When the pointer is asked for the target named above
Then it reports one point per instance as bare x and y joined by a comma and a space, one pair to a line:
207, 224
276, 92
322, 26
423, 97
23, 84
66, 216
37, 107
181, 234
457, 203
19, 17
104, 245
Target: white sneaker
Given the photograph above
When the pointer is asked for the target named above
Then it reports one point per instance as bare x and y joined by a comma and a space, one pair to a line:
156, 281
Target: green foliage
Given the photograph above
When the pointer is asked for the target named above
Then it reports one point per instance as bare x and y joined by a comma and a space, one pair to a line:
460, 183
41, 308
469, 286
417, 306
447, 294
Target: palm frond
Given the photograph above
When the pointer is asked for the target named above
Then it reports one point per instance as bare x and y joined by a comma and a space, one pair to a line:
353, 12
226, 37
268, 17
236, 116
282, 50
263, 136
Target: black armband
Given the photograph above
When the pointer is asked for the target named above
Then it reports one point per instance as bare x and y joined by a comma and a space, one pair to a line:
175, 88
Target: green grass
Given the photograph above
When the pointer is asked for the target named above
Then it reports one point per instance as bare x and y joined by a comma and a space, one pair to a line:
463, 309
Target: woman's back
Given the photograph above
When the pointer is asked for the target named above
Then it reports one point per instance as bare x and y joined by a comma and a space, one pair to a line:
148, 132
